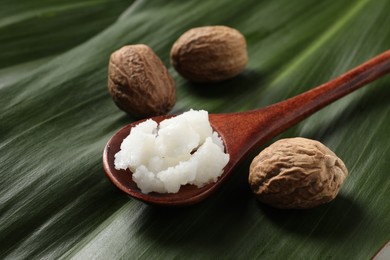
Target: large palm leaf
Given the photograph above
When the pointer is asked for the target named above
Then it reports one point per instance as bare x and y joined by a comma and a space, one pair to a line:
56, 116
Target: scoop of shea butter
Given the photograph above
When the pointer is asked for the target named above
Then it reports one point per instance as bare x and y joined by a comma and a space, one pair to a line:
178, 151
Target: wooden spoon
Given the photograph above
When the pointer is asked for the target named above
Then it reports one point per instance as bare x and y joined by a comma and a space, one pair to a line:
245, 131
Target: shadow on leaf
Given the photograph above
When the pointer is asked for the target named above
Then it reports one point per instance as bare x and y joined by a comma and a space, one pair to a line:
336, 219
216, 220
245, 81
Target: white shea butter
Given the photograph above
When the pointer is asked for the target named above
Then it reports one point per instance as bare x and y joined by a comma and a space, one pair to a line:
180, 150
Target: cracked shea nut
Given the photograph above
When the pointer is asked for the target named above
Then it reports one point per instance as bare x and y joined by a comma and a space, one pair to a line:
209, 54
296, 173
139, 83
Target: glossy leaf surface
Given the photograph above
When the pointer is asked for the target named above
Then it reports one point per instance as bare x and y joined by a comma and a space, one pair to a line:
56, 116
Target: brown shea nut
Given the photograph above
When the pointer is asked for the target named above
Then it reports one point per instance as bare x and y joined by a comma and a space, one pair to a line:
139, 83
296, 173
209, 54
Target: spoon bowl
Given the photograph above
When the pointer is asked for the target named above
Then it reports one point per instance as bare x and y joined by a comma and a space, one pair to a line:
123, 178
242, 132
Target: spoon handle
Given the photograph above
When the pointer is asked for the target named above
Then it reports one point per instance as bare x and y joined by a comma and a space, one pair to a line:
295, 109
257, 126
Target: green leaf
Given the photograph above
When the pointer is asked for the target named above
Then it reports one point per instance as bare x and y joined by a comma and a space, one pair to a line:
56, 116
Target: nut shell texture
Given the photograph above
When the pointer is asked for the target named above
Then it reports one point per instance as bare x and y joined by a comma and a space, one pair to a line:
296, 173
139, 83
209, 54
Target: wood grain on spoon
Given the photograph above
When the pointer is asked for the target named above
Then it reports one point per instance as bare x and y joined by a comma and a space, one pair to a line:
245, 131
